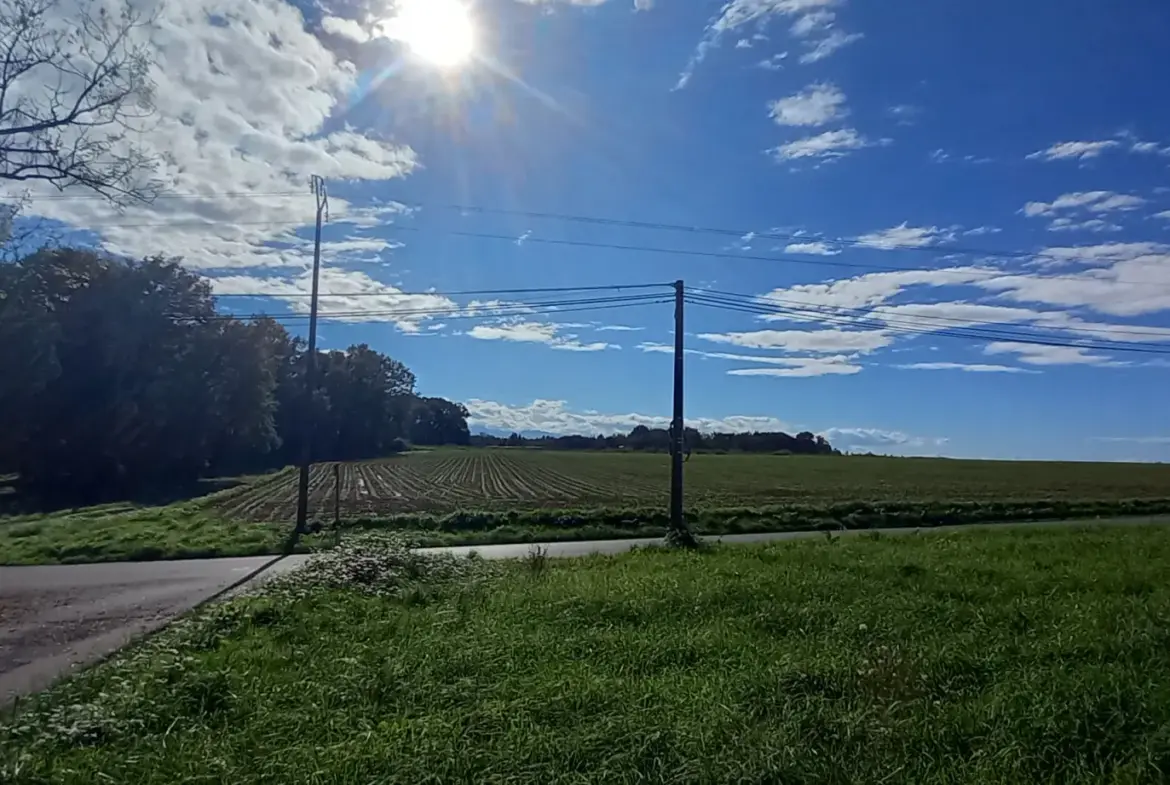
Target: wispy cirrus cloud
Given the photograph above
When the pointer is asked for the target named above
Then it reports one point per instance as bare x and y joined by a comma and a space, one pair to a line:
828, 146
547, 333
1076, 151
814, 26
906, 236
966, 367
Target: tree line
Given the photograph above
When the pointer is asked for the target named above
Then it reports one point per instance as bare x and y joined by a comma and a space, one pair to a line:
121, 377
642, 438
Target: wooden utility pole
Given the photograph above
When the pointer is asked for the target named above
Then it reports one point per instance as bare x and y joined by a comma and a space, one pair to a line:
307, 424
336, 495
676, 425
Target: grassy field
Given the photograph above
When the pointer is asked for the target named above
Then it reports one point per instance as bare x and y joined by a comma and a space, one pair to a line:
452, 496
1019, 656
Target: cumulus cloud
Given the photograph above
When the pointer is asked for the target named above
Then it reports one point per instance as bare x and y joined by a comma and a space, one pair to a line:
556, 417
1094, 201
244, 95
347, 28
817, 104
353, 297
1068, 210
817, 341
824, 147
1035, 354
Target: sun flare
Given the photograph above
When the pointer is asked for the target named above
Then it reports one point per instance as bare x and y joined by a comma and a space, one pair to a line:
439, 31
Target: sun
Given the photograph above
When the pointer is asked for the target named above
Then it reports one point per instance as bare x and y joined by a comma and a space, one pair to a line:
439, 31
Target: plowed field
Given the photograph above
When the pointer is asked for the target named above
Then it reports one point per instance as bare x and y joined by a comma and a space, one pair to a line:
504, 479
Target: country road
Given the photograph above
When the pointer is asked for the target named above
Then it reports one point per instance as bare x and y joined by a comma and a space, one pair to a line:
57, 618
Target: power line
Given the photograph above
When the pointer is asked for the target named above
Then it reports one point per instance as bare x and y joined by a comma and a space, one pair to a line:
840, 242
463, 293
452, 313
908, 328
877, 312
777, 258
217, 195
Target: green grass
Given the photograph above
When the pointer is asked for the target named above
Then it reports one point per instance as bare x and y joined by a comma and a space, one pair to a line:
1018, 656
124, 533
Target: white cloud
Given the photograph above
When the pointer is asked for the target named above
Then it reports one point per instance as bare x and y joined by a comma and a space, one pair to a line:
904, 114
547, 333
1037, 354
827, 146
804, 367
353, 297
818, 341
244, 93
1165, 215
1106, 253
872, 288
347, 28
967, 367
619, 328
773, 63
873, 437
735, 14
825, 47
1133, 439
817, 104
814, 248
906, 236
792, 366
1083, 201
556, 417
1063, 224
1074, 150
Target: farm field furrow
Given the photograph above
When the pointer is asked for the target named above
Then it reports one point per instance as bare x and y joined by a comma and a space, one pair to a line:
449, 480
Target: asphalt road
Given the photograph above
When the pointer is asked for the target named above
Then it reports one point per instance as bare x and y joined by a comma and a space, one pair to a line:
57, 618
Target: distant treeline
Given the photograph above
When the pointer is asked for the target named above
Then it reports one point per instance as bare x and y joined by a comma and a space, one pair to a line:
658, 440
120, 376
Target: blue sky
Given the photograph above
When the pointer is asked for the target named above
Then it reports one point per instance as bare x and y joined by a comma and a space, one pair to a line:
972, 165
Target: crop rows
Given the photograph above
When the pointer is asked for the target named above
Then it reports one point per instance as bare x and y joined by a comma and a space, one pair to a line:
431, 482
442, 481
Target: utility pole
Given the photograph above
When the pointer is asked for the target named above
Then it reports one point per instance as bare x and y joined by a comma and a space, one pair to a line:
307, 424
676, 426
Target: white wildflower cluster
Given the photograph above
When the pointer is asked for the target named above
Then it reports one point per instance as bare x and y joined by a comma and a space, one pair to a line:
378, 563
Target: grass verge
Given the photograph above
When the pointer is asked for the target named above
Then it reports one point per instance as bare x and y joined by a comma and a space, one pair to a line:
482, 528
1006, 656
125, 533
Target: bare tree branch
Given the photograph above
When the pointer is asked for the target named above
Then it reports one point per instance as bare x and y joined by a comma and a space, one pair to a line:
71, 94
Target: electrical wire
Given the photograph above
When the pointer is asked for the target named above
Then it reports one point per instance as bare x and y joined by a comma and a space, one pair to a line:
878, 312
463, 293
519, 308
856, 243
370, 316
908, 328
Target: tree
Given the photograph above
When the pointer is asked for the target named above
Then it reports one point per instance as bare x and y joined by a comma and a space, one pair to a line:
74, 87
438, 421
